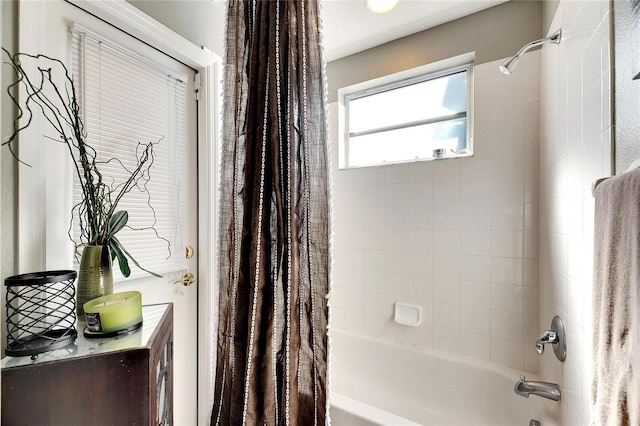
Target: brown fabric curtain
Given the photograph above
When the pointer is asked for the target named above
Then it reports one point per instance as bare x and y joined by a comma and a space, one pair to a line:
274, 245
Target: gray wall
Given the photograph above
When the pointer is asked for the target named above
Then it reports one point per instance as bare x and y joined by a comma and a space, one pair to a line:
549, 9
200, 22
626, 90
493, 33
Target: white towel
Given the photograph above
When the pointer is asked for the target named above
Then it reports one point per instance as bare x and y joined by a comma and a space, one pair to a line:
616, 302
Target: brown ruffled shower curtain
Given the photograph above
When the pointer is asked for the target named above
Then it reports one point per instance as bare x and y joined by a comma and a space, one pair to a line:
274, 245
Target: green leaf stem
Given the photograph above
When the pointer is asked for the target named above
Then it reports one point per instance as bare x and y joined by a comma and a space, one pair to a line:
116, 251
117, 222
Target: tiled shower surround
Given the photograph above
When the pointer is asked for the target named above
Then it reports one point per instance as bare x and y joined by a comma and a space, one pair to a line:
457, 237
575, 150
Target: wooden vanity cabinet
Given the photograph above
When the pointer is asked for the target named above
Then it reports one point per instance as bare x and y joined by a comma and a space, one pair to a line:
126, 380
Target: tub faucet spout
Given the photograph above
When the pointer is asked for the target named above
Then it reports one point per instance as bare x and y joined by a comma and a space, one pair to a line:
547, 390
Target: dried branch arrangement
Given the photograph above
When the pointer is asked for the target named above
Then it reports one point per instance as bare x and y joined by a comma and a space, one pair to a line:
50, 90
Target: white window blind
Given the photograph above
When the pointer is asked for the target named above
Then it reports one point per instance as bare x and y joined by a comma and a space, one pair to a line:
127, 100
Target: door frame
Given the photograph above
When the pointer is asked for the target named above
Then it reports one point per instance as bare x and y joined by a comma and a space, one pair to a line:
32, 253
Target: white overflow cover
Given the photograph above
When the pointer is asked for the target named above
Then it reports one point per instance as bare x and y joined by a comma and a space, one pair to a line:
407, 314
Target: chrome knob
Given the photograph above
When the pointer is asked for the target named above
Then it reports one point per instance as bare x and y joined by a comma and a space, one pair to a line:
556, 336
547, 336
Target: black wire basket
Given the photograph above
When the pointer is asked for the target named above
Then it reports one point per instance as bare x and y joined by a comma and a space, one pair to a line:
41, 312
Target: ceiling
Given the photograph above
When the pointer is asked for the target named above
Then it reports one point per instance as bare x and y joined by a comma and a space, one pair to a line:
349, 27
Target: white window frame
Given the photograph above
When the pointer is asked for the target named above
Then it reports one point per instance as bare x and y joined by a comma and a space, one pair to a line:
398, 80
32, 223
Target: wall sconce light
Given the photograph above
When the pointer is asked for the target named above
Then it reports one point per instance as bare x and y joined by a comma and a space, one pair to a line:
381, 6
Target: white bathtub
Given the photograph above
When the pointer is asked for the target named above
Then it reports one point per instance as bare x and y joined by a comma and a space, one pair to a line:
374, 382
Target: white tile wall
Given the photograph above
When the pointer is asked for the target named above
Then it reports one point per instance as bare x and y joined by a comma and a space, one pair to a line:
575, 149
458, 237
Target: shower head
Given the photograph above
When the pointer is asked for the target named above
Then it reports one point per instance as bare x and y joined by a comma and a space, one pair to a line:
510, 64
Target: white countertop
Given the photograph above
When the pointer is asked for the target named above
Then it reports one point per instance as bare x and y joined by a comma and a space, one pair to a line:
151, 316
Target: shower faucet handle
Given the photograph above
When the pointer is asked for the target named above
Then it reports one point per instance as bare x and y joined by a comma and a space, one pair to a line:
547, 336
556, 336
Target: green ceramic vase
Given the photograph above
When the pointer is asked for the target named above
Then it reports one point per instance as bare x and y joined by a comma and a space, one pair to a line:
95, 277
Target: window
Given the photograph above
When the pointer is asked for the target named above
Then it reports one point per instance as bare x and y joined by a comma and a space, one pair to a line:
127, 99
420, 114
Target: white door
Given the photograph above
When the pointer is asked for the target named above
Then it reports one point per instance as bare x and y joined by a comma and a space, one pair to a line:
53, 18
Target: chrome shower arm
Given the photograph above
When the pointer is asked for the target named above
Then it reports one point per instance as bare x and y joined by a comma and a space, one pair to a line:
510, 64
553, 38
